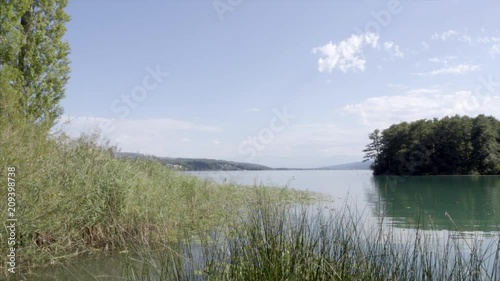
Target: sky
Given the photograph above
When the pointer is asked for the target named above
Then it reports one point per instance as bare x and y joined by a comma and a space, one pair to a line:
278, 83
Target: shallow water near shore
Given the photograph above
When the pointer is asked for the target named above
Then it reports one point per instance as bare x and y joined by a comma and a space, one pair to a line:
465, 208
453, 203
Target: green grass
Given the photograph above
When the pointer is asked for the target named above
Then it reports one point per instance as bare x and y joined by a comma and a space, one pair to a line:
297, 243
75, 197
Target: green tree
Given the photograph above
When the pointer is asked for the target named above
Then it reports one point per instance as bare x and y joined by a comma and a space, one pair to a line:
34, 64
372, 149
452, 145
393, 148
411, 147
485, 142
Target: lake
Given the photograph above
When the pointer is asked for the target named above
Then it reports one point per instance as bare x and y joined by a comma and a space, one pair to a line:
443, 206
450, 203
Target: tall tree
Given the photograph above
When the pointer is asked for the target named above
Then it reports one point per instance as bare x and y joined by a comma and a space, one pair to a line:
34, 64
486, 146
392, 153
372, 149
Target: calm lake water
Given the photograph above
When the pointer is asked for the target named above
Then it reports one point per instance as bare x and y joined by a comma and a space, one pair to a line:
444, 206
434, 203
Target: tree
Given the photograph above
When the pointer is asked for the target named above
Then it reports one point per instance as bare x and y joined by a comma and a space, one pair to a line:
451, 146
34, 64
485, 144
372, 149
393, 150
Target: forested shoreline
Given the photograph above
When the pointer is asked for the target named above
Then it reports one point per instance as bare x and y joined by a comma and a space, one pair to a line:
458, 145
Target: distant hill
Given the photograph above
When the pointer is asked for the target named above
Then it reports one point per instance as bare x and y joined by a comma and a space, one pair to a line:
349, 166
199, 164
202, 164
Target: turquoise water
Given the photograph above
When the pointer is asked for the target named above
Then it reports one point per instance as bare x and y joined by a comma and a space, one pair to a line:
453, 203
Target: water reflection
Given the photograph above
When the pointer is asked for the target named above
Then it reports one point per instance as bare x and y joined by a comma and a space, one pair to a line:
463, 203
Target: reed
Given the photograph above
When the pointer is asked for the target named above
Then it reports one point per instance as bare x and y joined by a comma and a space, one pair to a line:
75, 197
291, 242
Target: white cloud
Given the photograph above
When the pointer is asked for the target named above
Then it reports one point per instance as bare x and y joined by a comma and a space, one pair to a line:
424, 46
396, 86
495, 49
457, 69
423, 91
89, 123
347, 54
393, 49
452, 35
307, 140
383, 111
444, 60
488, 39
444, 36
216, 142
493, 42
372, 39
254, 109
162, 137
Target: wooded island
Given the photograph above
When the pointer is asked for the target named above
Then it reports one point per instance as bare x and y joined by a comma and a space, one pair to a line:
458, 145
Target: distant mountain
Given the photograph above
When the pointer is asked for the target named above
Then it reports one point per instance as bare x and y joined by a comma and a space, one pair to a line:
198, 164
349, 166
202, 164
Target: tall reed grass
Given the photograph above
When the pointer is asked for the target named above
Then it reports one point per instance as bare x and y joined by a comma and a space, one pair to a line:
74, 196
299, 243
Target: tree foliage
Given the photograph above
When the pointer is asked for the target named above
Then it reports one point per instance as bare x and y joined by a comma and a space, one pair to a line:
34, 64
457, 145
372, 149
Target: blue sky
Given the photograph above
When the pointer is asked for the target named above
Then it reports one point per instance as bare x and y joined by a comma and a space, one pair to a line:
281, 83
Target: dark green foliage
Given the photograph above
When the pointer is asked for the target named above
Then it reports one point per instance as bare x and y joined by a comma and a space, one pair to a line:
458, 145
485, 142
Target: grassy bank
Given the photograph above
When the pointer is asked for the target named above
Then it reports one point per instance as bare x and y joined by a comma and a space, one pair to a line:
296, 243
74, 196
